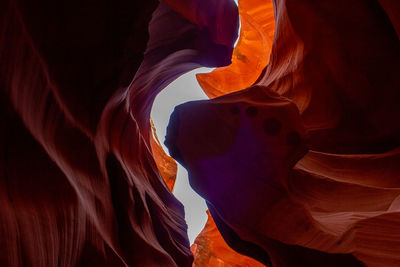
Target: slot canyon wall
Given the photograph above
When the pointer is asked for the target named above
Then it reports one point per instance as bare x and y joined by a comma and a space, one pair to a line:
302, 168
79, 184
297, 151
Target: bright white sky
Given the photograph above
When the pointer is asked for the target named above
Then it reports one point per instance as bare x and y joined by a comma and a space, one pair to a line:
183, 89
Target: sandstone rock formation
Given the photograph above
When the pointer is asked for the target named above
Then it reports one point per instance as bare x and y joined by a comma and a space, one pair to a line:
302, 167
210, 249
79, 184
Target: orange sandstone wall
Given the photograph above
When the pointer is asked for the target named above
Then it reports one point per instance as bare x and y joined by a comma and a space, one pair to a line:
301, 168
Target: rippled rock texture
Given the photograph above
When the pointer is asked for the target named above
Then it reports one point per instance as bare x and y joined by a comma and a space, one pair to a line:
302, 168
79, 184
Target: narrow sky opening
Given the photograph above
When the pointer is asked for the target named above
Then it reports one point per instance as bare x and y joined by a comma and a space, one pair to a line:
240, 25
183, 89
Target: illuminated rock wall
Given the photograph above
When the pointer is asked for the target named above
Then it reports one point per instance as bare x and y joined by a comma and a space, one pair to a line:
302, 168
210, 249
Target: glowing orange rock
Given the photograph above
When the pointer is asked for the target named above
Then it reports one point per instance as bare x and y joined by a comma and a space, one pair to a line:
210, 250
165, 164
251, 53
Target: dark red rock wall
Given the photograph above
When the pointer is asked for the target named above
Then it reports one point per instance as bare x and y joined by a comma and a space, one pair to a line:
79, 185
